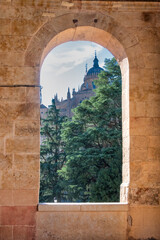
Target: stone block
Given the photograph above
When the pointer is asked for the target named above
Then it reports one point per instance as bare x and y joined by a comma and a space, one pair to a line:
26, 172
26, 197
149, 40
28, 110
6, 179
12, 94
154, 142
137, 109
148, 18
145, 222
5, 162
64, 22
25, 27
141, 142
33, 54
157, 19
145, 174
153, 109
6, 232
19, 75
157, 76
138, 154
144, 196
22, 145
13, 43
154, 214
24, 233
33, 94
143, 76
1, 145
142, 94
6, 173
18, 215
7, 12
138, 126
135, 19
81, 34
46, 30
135, 56
20, 111
6, 197
11, 59
27, 128
144, 126
26, 180
78, 225
5, 26
136, 214
26, 162
154, 96
6, 128
152, 60
124, 37
154, 154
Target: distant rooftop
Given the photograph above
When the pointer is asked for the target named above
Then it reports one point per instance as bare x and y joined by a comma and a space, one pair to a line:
42, 106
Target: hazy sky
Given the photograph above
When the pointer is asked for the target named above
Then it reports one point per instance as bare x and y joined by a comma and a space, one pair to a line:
65, 66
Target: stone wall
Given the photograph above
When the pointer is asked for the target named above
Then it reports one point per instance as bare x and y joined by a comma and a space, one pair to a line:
29, 29
82, 221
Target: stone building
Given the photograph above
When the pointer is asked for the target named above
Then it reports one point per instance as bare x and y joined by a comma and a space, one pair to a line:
85, 91
130, 30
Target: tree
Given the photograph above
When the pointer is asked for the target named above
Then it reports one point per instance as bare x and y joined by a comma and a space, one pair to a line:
93, 142
52, 155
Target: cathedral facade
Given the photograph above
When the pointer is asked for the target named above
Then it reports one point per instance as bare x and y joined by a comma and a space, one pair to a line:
85, 91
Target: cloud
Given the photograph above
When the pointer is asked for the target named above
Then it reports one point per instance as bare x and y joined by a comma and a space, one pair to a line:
65, 58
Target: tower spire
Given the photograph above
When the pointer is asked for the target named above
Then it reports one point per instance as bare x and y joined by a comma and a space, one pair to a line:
68, 94
86, 67
56, 97
95, 61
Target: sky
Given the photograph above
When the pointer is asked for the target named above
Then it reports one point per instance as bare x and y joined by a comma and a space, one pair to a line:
65, 66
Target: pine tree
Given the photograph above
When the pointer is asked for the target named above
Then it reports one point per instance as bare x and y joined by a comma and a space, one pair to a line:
94, 142
52, 155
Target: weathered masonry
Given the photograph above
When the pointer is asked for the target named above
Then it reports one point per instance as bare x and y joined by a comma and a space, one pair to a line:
29, 29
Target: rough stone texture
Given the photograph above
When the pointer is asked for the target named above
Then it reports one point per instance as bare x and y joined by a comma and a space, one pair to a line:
29, 29
147, 196
82, 221
142, 225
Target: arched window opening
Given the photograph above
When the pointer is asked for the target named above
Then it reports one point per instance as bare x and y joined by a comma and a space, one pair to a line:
81, 136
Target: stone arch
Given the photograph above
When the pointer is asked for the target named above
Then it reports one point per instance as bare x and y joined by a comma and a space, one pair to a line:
111, 35
105, 31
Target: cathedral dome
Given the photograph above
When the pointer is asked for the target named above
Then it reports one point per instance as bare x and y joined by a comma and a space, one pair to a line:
95, 70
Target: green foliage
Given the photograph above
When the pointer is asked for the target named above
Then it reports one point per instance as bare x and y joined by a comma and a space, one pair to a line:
93, 142
81, 159
52, 155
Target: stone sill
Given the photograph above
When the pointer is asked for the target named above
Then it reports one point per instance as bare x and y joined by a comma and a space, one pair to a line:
83, 207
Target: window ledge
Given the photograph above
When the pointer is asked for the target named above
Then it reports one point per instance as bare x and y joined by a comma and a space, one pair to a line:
83, 207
